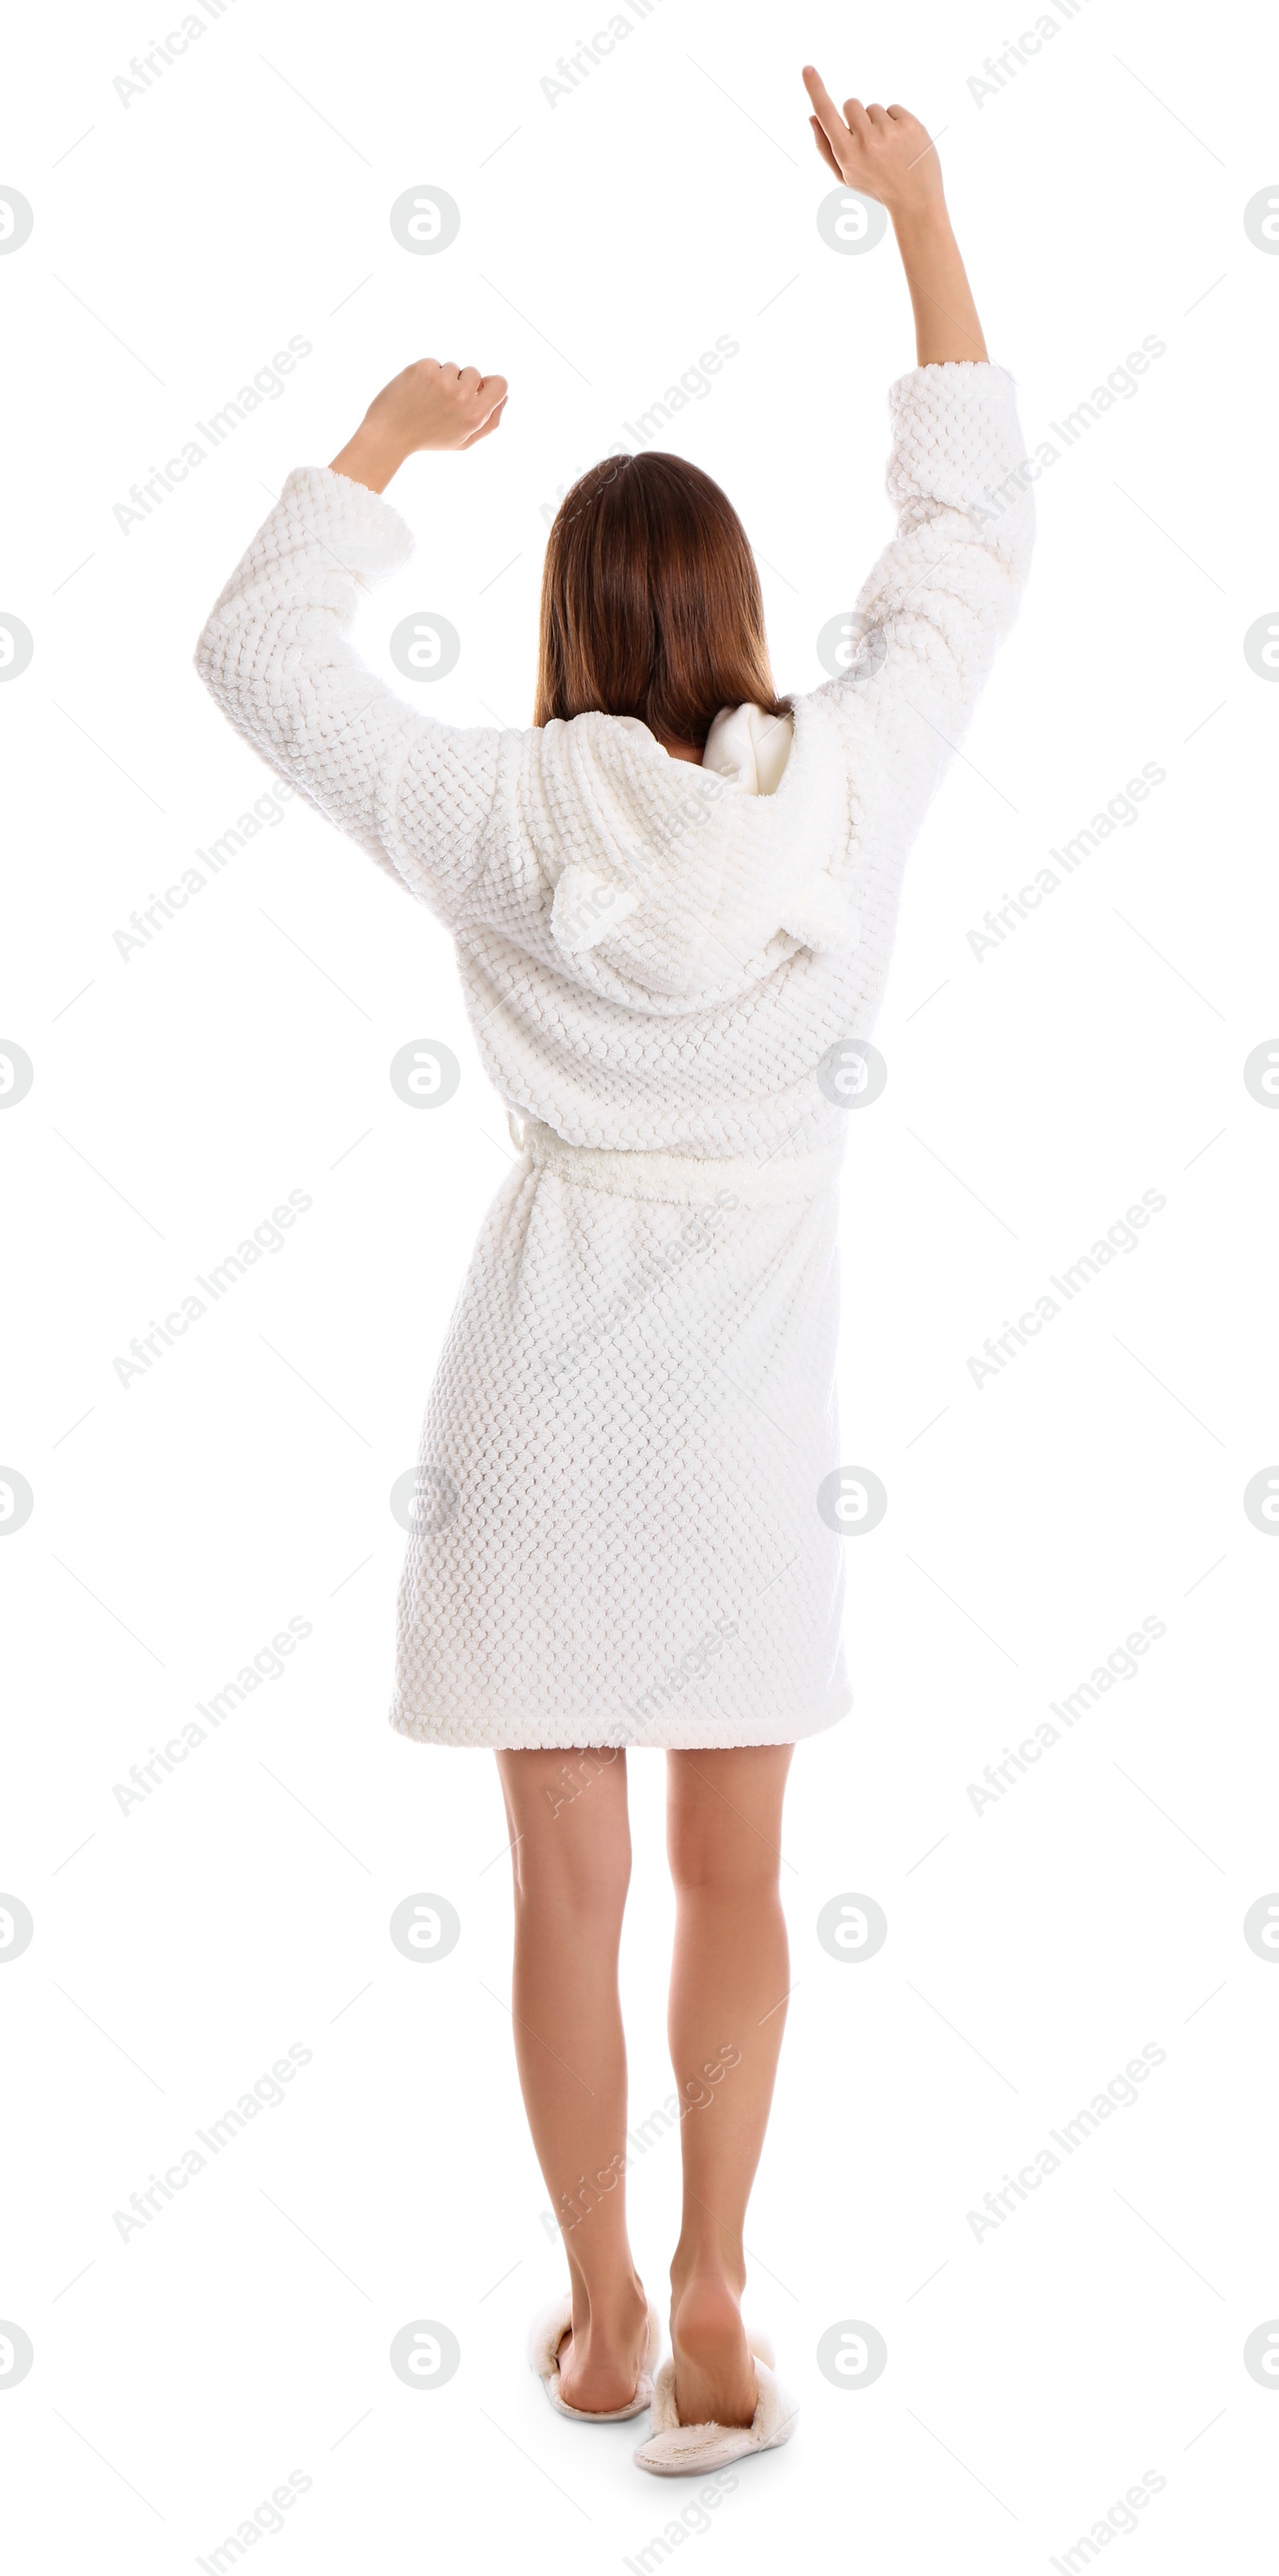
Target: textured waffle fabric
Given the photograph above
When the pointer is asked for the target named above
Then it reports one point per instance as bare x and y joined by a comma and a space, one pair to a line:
617, 1538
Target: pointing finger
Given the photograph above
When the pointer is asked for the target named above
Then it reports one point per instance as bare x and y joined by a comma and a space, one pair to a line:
824, 108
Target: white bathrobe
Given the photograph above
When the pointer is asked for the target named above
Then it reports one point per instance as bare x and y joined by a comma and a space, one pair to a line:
617, 1534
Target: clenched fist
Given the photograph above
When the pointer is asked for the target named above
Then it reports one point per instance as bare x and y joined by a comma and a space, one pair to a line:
428, 405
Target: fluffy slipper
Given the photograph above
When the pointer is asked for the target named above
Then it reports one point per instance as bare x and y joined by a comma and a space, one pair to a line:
675, 2450
547, 2333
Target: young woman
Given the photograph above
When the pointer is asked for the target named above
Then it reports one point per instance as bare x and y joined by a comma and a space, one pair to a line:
673, 898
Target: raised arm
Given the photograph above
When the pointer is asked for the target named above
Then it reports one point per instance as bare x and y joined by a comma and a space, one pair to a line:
945, 590
885, 153
415, 793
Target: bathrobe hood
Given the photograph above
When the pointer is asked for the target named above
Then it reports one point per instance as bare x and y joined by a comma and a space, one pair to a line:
688, 882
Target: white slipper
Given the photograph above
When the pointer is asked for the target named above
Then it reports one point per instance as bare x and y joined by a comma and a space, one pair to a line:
547, 2333
675, 2450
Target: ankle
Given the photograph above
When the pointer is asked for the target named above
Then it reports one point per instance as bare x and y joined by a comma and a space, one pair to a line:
713, 2267
705, 2306
610, 2309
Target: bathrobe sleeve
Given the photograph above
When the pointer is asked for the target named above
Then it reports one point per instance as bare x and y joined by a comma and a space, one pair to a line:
932, 614
274, 654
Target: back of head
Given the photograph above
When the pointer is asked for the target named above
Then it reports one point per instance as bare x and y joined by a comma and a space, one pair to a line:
651, 603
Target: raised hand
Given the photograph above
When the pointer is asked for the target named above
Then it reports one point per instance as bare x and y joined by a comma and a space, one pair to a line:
883, 152
427, 405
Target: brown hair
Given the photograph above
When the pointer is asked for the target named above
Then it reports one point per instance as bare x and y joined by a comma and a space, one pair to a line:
651, 603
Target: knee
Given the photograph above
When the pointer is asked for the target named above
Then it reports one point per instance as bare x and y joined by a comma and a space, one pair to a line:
576, 1861
588, 1891
711, 1854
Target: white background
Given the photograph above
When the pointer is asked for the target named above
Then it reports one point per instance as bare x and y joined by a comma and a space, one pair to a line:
1033, 1947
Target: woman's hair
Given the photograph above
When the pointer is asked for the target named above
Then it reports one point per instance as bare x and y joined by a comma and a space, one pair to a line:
651, 603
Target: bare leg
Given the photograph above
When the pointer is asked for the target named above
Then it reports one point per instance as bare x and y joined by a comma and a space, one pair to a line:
571, 1860
729, 1982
